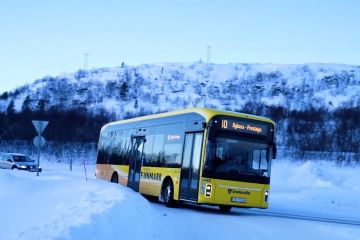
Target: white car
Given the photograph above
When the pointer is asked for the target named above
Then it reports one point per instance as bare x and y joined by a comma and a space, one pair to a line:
17, 161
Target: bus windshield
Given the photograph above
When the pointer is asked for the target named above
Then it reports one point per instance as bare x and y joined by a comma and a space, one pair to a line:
237, 159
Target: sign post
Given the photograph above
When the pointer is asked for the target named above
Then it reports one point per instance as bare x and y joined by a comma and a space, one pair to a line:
39, 141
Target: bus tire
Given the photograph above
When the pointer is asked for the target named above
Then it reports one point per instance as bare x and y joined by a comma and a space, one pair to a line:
114, 178
168, 194
224, 208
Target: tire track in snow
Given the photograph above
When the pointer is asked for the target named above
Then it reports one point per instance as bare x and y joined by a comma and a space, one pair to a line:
240, 211
299, 217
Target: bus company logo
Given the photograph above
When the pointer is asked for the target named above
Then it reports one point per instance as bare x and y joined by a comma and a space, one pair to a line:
173, 137
235, 191
151, 176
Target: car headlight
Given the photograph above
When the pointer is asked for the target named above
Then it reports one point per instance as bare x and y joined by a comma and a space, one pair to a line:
22, 166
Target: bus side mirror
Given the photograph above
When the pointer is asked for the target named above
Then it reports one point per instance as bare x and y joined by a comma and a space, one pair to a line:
274, 151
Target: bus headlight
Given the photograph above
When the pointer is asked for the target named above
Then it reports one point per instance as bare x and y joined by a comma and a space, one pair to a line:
208, 190
266, 195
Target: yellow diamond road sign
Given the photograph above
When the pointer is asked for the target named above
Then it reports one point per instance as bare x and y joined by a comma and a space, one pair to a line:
40, 126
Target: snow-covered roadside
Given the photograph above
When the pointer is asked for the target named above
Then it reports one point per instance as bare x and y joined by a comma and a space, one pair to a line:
63, 205
320, 189
49, 206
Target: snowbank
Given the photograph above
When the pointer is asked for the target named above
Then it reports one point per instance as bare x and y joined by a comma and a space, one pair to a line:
63, 205
317, 188
52, 205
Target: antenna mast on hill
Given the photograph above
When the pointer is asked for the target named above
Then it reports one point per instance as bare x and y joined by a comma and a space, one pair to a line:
208, 50
86, 61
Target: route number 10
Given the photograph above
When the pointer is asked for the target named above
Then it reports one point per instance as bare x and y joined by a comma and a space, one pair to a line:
224, 123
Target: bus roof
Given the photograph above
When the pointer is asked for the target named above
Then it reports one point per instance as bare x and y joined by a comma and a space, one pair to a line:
207, 113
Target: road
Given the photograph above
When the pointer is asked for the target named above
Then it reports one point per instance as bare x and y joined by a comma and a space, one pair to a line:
255, 223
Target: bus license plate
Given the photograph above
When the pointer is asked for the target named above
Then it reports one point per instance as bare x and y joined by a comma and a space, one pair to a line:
239, 200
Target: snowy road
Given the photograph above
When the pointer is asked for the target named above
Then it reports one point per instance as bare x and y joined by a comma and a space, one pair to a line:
300, 217
253, 224
264, 213
308, 201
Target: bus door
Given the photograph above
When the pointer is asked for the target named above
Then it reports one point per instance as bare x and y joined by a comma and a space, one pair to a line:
189, 179
136, 156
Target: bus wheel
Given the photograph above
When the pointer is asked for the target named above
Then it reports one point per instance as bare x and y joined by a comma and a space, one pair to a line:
114, 178
169, 194
224, 208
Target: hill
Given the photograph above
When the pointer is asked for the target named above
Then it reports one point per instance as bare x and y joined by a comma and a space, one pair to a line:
311, 103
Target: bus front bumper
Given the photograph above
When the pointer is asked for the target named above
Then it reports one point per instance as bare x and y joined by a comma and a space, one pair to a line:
232, 193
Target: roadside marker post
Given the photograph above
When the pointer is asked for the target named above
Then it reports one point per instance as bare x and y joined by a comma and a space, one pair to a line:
85, 169
39, 141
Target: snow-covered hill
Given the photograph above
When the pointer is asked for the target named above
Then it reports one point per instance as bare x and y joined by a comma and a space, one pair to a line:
167, 86
311, 103
307, 201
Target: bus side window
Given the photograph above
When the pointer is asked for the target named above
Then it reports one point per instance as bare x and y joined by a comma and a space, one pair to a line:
173, 154
158, 150
122, 150
126, 150
111, 152
148, 151
119, 150
102, 157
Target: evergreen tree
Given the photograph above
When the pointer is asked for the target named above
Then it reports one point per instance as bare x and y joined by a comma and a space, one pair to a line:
25, 108
40, 107
124, 89
4, 96
10, 111
136, 103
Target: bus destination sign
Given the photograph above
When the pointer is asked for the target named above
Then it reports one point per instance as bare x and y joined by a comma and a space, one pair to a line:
244, 126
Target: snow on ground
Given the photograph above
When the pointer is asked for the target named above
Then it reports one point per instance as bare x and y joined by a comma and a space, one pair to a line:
319, 189
63, 205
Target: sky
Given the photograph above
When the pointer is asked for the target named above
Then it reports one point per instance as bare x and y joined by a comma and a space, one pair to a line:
41, 37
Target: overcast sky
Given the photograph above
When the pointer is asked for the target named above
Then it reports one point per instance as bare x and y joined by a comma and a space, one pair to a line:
42, 37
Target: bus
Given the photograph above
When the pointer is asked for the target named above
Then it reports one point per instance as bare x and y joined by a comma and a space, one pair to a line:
197, 155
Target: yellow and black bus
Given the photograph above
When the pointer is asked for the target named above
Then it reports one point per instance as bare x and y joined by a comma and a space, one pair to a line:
197, 155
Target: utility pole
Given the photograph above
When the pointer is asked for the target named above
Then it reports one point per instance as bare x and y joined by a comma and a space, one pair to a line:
208, 51
86, 61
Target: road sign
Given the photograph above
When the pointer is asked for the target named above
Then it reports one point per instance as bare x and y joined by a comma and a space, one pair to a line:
40, 126
39, 141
